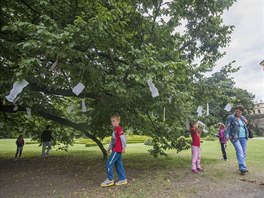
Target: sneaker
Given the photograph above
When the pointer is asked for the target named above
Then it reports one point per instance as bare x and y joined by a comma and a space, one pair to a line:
121, 182
200, 170
107, 183
242, 172
195, 171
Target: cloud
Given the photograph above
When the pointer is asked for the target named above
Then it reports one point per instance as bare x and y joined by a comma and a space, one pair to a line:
247, 45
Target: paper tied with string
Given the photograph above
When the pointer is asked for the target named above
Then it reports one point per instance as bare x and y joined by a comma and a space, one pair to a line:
83, 105
203, 126
28, 111
18, 86
78, 88
228, 107
207, 109
170, 99
199, 111
153, 89
70, 108
164, 114
53, 68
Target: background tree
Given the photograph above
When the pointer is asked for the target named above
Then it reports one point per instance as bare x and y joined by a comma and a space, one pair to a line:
113, 48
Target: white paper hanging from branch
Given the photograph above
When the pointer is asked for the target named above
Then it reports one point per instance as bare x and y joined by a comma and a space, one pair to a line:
83, 105
153, 89
207, 109
28, 112
18, 86
164, 114
170, 99
70, 108
199, 111
78, 88
228, 107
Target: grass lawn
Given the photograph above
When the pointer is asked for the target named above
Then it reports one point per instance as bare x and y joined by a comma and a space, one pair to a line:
79, 172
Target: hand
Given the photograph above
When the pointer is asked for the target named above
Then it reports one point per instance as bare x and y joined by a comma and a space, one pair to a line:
108, 151
123, 150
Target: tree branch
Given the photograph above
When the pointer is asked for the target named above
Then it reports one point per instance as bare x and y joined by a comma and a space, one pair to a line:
28, 6
79, 126
62, 92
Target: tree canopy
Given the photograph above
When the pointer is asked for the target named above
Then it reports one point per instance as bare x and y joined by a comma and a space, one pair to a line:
113, 48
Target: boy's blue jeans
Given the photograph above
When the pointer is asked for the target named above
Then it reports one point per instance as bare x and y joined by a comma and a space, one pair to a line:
115, 159
241, 146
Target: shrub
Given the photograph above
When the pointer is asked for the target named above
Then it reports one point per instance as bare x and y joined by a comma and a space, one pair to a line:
210, 138
148, 142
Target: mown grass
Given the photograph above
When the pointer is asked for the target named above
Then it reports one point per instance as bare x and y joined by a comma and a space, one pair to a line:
150, 177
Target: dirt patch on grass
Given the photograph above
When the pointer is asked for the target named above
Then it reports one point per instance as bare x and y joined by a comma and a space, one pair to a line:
79, 177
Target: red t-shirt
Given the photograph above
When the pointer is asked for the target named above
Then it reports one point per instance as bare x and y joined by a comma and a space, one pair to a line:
118, 132
195, 137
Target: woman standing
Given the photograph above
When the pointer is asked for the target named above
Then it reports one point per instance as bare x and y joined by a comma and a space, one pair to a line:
237, 132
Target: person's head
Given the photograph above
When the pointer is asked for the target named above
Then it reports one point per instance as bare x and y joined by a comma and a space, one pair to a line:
20, 136
193, 124
48, 127
220, 125
115, 120
239, 110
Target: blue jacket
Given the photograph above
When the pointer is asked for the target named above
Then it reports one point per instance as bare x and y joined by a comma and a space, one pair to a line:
232, 127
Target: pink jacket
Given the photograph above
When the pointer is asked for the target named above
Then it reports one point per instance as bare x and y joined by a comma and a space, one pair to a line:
221, 136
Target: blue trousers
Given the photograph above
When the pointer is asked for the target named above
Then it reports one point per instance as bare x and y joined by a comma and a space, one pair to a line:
115, 159
240, 147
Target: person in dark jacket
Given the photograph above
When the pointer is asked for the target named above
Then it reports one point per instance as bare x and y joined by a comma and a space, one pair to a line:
46, 138
20, 145
237, 132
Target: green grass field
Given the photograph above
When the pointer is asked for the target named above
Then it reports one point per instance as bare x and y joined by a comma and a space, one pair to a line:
147, 176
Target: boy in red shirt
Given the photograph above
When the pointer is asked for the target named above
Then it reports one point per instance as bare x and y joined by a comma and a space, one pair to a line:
196, 156
117, 145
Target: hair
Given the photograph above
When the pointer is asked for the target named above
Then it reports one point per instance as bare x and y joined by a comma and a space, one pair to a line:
193, 122
48, 126
20, 136
117, 116
240, 107
221, 124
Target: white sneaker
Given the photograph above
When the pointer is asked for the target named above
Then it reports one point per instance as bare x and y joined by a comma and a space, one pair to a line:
121, 182
107, 182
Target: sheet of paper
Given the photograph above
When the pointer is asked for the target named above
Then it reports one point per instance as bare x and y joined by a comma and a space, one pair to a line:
83, 105
153, 89
18, 86
228, 107
78, 88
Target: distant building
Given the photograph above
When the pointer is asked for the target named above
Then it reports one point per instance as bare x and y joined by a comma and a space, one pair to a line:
258, 115
259, 108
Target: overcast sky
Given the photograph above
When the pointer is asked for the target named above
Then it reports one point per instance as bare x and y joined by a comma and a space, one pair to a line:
247, 45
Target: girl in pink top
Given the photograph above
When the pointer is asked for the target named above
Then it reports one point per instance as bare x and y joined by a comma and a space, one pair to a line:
222, 139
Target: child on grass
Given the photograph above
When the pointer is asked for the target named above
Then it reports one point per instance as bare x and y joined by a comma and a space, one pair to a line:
196, 157
222, 139
20, 144
117, 145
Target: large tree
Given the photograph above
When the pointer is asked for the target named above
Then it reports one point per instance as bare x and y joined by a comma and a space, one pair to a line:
113, 48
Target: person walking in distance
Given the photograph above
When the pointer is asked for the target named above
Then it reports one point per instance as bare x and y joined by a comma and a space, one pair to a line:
46, 138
